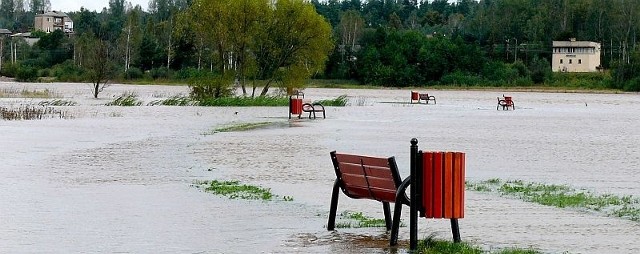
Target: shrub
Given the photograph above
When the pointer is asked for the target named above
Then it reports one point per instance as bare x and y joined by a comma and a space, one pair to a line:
211, 86
26, 74
159, 73
68, 72
133, 73
126, 99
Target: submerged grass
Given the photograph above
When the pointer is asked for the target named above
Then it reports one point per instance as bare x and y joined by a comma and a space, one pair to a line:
126, 99
246, 127
340, 101
433, 246
177, 100
235, 190
562, 196
265, 101
31, 113
25, 93
58, 102
359, 220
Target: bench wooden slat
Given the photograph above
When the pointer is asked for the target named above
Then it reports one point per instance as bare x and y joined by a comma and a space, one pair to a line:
374, 171
372, 182
366, 160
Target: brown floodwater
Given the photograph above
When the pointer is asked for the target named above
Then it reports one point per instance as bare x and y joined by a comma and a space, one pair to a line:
120, 179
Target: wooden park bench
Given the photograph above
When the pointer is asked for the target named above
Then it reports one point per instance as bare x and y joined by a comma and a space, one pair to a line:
415, 96
436, 187
366, 177
505, 102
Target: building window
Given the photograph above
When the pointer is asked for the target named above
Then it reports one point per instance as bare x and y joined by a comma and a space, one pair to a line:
579, 61
570, 62
560, 61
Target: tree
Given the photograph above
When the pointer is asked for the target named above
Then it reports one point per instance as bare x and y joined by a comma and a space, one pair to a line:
296, 40
99, 63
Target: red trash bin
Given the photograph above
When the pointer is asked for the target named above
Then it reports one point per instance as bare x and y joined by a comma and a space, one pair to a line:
414, 96
295, 106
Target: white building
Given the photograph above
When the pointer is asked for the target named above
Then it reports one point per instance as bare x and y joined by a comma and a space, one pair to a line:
576, 56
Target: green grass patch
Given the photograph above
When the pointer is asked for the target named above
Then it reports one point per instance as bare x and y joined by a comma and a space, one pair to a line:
340, 101
236, 190
434, 246
31, 113
126, 99
562, 196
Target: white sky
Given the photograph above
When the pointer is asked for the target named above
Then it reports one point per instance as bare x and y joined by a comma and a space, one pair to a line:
92, 5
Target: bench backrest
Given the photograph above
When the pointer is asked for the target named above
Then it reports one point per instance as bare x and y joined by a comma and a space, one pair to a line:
367, 177
443, 176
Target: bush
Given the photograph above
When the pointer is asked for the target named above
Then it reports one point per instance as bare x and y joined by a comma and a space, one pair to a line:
191, 73
126, 99
461, 79
211, 86
9, 69
133, 73
68, 72
26, 74
159, 73
632, 85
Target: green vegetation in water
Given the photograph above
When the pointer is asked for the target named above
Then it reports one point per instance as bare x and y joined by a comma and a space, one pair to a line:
359, 220
563, 196
58, 102
126, 99
174, 101
433, 246
340, 101
236, 190
31, 113
25, 93
245, 127
265, 101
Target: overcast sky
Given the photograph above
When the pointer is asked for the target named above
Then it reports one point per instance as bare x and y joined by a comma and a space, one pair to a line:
93, 5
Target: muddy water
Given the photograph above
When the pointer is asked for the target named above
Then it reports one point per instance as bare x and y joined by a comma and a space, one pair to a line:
119, 179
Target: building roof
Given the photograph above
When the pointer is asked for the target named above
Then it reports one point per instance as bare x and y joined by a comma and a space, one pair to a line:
57, 14
575, 44
5, 31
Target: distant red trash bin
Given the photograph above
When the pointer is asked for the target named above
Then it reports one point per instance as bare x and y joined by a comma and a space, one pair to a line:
415, 96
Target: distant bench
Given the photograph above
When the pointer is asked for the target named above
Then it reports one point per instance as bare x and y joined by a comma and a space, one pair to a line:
312, 108
415, 96
436, 187
426, 97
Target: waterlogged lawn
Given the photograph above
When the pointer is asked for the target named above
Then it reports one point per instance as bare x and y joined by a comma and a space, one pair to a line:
348, 219
247, 127
236, 190
433, 246
562, 196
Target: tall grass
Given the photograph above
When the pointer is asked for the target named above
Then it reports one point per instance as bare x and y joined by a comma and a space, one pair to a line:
31, 113
340, 101
265, 101
126, 99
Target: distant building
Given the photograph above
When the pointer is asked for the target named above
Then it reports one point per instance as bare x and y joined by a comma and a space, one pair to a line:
54, 20
576, 56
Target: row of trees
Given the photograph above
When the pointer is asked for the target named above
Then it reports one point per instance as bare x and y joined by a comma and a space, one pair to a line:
385, 42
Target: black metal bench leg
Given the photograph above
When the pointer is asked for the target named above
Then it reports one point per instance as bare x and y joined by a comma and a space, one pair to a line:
334, 206
397, 211
455, 229
387, 215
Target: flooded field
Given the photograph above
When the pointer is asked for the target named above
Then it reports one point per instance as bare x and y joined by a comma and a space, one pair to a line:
120, 179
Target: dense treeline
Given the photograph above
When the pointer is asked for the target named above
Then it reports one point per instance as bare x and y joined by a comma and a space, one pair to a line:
380, 42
